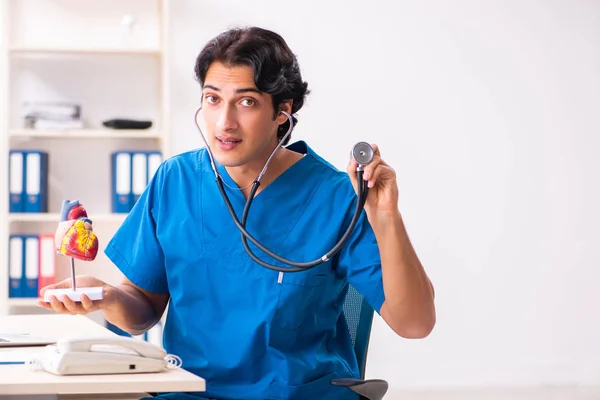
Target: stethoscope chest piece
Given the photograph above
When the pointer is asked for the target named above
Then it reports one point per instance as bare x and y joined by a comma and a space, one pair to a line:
362, 153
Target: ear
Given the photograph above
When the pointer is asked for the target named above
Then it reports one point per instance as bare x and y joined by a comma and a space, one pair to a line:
287, 107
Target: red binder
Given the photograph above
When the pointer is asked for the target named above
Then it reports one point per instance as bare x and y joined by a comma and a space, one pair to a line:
47, 272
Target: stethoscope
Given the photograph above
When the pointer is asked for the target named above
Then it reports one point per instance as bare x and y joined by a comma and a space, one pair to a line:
362, 153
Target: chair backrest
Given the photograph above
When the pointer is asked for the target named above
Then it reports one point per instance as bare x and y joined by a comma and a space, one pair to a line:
359, 317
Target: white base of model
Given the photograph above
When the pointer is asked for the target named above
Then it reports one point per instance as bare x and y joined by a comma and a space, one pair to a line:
94, 293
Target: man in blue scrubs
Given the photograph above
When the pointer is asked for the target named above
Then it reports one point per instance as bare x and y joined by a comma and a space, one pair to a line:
251, 332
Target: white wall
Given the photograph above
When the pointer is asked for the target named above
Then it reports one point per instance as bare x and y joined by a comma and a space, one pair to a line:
488, 111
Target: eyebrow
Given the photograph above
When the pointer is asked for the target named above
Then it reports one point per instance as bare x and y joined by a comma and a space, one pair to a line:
242, 90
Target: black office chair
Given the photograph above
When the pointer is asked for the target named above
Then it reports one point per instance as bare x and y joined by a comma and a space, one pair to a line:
359, 317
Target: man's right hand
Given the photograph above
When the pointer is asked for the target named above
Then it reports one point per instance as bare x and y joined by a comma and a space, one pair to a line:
64, 305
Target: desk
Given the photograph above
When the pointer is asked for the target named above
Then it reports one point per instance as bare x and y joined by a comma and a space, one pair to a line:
20, 380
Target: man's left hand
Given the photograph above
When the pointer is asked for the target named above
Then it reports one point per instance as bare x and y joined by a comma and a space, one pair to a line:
381, 180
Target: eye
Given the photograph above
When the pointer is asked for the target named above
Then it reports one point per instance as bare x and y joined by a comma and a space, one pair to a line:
249, 102
211, 99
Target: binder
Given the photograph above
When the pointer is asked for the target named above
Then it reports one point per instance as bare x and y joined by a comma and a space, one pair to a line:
131, 173
139, 175
31, 267
16, 258
154, 161
16, 181
36, 182
121, 182
145, 165
47, 263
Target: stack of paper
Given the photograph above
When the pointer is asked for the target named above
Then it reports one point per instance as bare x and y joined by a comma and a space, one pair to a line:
52, 116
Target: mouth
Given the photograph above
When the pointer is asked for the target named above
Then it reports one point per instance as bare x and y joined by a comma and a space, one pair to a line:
228, 141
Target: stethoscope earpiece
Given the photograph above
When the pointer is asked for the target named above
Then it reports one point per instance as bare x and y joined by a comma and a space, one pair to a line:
363, 154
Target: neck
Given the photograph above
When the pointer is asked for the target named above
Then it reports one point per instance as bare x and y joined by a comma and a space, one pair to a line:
246, 174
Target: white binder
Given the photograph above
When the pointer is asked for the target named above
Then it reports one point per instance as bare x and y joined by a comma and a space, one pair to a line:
34, 172
121, 182
32, 266
154, 160
15, 182
15, 268
139, 173
36, 182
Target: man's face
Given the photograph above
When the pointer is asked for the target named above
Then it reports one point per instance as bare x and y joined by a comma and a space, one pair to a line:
240, 128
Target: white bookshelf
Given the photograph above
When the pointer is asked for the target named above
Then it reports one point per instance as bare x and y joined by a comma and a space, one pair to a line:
87, 134
54, 217
4, 149
25, 302
40, 51
112, 59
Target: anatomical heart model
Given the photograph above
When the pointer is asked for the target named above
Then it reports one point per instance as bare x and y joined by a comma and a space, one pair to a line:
74, 236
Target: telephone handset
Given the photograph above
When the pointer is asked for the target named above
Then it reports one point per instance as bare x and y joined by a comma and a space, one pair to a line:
91, 356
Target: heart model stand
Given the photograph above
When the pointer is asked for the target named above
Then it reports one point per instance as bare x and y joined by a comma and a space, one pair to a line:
74, 238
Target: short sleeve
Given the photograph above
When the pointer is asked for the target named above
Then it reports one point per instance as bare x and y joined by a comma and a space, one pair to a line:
359, 260
135, 248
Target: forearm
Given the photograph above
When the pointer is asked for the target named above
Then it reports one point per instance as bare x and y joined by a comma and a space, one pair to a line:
131, 310
409, 301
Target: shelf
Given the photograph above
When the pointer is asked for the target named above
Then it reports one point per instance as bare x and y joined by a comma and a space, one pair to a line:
33, 51
22, 302
86, 134
80, 52
55, 217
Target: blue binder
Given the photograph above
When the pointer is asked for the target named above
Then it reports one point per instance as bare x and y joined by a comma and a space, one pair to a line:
139, 175
31, 266
16, 181
154, 159
36, 181
144, 166
16, 260
121, 182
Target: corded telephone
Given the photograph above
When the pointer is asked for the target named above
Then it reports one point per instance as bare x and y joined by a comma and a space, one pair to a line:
91, 356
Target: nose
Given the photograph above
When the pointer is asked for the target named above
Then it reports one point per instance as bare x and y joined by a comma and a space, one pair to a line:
227, 120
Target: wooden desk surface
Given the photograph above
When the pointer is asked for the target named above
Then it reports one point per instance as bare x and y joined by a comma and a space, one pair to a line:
20, 379
53, 326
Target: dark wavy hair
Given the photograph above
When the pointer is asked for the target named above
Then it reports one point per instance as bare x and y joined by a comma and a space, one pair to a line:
275, 67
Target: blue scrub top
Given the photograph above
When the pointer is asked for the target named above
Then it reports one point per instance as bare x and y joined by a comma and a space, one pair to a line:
251, 332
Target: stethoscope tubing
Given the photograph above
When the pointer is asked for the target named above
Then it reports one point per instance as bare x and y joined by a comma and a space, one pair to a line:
293, 266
